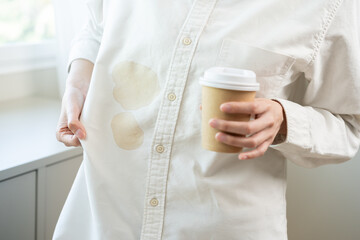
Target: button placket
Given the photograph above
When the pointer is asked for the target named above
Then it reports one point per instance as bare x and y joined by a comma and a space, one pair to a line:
167, 118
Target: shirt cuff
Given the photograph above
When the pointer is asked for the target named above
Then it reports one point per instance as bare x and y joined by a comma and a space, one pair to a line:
86, 49
298, 128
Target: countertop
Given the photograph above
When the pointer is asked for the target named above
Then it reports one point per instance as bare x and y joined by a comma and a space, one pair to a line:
27, 136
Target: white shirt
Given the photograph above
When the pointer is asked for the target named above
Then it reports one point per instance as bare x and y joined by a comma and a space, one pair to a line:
145, 174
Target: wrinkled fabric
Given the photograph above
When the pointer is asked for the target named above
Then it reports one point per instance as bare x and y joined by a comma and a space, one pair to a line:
145, 175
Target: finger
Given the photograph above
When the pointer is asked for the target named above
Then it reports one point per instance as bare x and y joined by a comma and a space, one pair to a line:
66, 136
71, 140
257, 139
229, 139
200, 106
258, 152
74, 124
241, 141
256, 107
76, 127
243, 128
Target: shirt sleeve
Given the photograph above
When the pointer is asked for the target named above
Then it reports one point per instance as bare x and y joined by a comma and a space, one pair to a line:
325, 127
86, 43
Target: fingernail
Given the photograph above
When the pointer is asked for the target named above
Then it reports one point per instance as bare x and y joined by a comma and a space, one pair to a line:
79, 134
243, 157
212, 122
219, 136
225, 107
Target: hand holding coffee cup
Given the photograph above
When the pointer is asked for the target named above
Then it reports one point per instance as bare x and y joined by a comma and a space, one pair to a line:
228, 100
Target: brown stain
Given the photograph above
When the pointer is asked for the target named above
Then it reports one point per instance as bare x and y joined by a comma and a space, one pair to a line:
136, 85
126, 131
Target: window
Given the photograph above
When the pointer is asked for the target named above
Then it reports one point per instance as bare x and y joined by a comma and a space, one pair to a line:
27, 33
26, 21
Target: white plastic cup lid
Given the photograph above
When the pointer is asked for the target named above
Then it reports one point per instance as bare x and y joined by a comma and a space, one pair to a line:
230, 78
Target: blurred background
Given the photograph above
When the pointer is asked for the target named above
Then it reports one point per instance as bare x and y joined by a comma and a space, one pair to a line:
36, 171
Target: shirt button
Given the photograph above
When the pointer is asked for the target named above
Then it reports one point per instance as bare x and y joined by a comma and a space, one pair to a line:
154, 202
171, 96
186, 41
160, 148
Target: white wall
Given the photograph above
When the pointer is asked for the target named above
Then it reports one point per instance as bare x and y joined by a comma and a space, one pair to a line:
40, 82
48, 82
324, 202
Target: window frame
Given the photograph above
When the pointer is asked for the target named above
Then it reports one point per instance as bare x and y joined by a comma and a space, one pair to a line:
23, 56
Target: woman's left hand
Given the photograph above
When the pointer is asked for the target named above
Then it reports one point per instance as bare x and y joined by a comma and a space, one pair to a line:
269, 121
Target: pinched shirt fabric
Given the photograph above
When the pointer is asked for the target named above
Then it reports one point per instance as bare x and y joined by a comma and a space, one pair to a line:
145, 175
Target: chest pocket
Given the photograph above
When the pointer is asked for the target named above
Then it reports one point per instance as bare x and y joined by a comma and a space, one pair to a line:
271, 68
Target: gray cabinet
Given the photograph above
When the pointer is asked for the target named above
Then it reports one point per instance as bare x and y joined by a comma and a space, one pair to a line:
17, 207
59, 179
36, 171
30, 204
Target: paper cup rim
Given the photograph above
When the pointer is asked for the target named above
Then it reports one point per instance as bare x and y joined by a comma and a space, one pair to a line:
231, 86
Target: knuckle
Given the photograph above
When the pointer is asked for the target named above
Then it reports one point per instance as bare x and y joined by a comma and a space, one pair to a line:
254, 107
231, 140
248, 128
72, 124
271, 123
266, 105
252, 143
224, 126
236, 108
260, 153
226, 138
263, 150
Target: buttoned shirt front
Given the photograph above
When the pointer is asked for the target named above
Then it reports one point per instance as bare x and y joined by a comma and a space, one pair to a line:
145, 175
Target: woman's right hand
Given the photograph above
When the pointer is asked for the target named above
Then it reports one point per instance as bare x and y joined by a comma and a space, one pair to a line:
69, 128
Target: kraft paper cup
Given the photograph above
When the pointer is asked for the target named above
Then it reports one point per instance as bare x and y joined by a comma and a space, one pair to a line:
220, 85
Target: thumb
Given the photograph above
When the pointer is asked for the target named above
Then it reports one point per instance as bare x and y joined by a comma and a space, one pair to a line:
74, 124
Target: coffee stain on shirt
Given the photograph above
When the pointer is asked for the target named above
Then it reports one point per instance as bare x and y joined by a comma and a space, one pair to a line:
126, 131
136, 85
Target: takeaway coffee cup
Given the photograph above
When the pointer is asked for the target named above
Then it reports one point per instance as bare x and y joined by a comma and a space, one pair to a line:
220, 85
